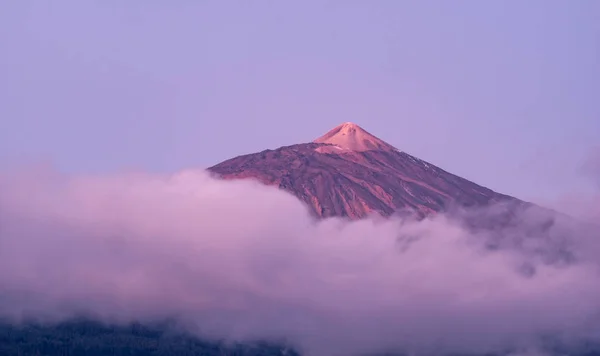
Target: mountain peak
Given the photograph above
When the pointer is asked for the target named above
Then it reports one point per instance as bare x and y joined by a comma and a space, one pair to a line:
352, 137
350, 173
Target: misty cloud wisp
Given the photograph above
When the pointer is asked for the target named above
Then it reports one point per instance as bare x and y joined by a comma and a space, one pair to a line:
238, 260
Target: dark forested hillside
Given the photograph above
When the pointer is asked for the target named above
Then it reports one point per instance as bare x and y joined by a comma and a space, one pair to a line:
88, 338
85, 338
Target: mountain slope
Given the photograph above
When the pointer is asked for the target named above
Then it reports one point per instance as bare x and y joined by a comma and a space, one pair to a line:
350, 173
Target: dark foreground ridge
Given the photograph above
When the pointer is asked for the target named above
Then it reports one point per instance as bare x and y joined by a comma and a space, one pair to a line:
88, 338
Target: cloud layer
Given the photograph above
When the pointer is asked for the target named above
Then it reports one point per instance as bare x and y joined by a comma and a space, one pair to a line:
238, 260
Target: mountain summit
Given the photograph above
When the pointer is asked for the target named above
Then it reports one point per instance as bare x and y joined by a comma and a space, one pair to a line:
352, 137
348, 172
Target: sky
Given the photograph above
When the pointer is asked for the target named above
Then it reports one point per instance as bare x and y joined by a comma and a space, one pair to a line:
503, 93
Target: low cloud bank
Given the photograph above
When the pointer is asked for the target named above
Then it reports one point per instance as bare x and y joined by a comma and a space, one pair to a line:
241, 261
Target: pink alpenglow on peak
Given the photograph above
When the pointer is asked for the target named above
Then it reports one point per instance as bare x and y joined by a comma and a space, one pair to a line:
350, 136
350, 173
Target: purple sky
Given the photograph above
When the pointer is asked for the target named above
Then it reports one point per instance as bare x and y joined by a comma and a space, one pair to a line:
504, 93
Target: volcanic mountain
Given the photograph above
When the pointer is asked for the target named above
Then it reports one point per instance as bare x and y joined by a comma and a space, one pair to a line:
348, 172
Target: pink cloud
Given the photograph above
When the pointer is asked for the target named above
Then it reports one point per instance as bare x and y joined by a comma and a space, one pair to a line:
240, 260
